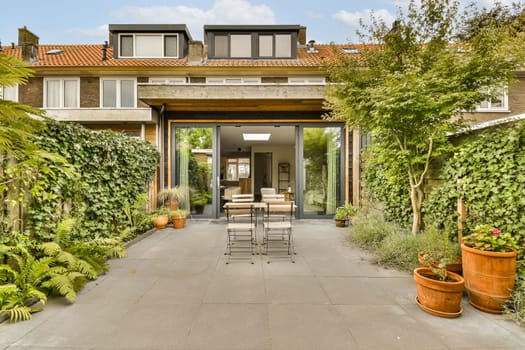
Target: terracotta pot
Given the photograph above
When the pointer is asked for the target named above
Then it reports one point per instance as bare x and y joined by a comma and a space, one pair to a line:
161, 221
489, 277
178, 221
439, 298
340, 223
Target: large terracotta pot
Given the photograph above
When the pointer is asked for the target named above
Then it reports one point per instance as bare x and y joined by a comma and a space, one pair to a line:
161, 221
489, 277
178, 221
439, 298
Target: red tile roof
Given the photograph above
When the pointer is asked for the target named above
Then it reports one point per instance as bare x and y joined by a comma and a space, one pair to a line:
91, 56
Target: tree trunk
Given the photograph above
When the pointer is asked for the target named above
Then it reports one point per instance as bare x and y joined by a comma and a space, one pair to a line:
416, 199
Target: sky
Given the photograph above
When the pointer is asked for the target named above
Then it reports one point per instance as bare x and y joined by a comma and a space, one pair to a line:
86, 21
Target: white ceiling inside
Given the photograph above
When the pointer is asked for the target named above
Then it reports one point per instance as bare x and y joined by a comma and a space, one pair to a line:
231, 136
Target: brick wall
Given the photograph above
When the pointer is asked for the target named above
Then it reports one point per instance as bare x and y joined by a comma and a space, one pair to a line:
516, 95
89, 92
32, 94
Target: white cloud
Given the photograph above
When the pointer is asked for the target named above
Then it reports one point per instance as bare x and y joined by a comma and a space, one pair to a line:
222, 12
352, 18
97, 32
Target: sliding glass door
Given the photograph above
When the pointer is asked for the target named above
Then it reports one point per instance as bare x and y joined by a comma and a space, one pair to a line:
192, 167
322, 185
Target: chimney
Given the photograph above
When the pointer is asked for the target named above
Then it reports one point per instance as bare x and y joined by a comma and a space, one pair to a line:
195, 51
28, 41
301, 36
311, 47
104, 51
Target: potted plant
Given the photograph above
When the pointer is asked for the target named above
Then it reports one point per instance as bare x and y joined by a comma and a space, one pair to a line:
199, 199
489, 267
343, 214
160, 217
439, 292
170, 198
435, 247
178, 218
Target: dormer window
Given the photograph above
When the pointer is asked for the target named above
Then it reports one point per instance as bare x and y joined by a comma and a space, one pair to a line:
149, 40
148, 45
257, 41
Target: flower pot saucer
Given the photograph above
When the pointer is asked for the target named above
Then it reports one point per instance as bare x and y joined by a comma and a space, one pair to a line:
439, 313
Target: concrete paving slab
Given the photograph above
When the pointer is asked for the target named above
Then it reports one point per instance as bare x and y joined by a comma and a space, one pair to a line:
232, 289
166, 327
387, 327
174, 291
306, 326
471, 330
284, 268
295, 290
230, 326
357, 290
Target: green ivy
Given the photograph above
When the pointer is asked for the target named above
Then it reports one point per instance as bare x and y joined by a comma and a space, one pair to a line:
393, 195
491, 167
113, 170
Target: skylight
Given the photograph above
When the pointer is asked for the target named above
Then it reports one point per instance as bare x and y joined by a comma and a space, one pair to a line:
350, 50
54, 52
256, 136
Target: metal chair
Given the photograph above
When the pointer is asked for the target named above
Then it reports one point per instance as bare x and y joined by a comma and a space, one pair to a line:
278, 230
240, 231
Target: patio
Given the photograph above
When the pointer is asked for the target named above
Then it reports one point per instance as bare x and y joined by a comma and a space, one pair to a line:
174, 291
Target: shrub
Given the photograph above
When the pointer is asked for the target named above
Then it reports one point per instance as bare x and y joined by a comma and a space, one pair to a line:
369, 231
399, 250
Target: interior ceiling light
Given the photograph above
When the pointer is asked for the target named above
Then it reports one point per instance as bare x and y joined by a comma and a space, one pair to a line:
256, 136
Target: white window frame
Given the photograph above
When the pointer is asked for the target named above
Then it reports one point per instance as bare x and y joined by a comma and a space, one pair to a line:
233, 80
163, 42
13, 87
490, 108
117, 92
306, 80
62, 81
168, 80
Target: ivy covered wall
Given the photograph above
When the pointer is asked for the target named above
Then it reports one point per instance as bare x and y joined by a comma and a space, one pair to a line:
491, 167
112, 171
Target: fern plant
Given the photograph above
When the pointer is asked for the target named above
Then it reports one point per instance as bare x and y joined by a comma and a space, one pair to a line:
20, 278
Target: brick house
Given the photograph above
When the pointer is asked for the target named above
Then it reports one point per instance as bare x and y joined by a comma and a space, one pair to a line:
240, 110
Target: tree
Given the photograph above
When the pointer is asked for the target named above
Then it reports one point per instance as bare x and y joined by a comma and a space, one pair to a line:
21, 160
411, 82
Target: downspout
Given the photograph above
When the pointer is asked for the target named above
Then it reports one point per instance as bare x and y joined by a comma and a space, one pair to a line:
160, 144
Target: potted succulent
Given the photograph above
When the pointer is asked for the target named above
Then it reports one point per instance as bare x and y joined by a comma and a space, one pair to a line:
160, 217
178, 218
489, 267
343, 214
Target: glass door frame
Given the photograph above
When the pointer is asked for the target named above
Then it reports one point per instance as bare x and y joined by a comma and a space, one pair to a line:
172, 125
299, 160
